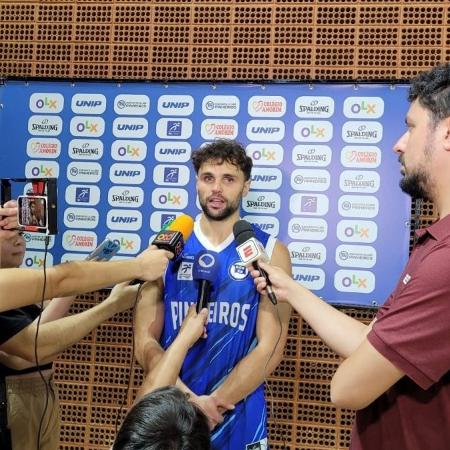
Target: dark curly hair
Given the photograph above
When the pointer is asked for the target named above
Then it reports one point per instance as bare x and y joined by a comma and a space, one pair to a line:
223, 150
432, 90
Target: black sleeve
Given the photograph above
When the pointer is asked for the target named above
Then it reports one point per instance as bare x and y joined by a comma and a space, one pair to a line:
15, 320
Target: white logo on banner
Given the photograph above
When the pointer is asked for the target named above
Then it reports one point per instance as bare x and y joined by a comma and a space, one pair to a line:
313, 131
366, 157
166, 151
311, 155
44, 125
363, 256
261, 202
41, 169
266, 178
43, 148
265, 154
79, 241
220, 105
357, 132
124, 219
314, 107
268, 224
129, 150
266, 106
309, 204
309, 229
82, 195
175, 105
171, 175
46, 103
130, 127
88, 103
265, 130
127, 173
87, 126
362, 182
307, 253
360, 281
37, 260
365, 206
130, 243
126, 196
162, 219
36, 241
219, 129
81, 218
359, 231
91, 149
310, 180
131, 105
174, 128
363, 107
171, 198
84, 172
312, 278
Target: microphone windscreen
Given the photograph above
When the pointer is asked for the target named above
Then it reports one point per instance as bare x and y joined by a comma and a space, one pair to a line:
242, 231
184, 224
206, 266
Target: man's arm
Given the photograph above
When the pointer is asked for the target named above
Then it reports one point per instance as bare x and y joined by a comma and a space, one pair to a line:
54, 337
251, 371
20, 287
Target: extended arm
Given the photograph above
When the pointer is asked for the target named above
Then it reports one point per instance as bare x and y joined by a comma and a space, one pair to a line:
54, 337
251, 371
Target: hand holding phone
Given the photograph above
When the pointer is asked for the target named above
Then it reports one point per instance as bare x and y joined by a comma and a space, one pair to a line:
104, 252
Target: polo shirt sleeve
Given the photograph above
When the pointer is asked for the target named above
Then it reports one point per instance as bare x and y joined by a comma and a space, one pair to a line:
413, 330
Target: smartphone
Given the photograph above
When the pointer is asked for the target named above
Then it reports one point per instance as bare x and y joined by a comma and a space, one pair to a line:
105, 251
32, 211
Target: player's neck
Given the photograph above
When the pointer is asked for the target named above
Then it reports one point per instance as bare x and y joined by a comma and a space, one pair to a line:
217, 230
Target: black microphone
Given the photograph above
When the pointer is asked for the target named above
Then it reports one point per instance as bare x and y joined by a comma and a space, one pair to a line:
250, 250
205, 270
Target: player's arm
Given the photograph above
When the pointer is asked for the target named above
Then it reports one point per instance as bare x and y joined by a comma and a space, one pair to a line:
251, 371
54, 337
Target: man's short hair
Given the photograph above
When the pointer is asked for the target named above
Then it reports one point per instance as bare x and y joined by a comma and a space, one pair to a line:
164, 419
223, 150
432, 90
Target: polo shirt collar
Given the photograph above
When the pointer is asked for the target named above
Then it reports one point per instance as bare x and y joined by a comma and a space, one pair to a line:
438, 230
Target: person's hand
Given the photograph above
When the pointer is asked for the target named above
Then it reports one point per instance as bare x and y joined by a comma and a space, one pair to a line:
193, 326
282, 283
212, 408
123, 296
8, 219
153, 262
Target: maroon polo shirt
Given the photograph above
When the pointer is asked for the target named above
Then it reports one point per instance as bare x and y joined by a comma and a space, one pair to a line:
412, 331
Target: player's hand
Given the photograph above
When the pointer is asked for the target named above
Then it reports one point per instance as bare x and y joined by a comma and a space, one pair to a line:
153, 262
193, 326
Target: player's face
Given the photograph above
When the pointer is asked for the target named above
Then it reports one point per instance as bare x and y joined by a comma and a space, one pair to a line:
220, 189
416, 150
12, 252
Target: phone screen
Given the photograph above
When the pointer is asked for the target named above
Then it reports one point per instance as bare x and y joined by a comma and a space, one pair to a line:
32, 211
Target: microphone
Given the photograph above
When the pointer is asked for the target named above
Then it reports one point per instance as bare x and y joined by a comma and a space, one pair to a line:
205, 270
173, 237
250, 250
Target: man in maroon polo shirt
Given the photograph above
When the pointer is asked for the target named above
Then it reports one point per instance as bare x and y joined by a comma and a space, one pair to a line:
396, 370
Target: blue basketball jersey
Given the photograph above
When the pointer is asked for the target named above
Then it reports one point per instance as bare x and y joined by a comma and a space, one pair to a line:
231, 328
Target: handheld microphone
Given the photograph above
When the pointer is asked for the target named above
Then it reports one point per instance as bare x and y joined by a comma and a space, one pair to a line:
173, 237
205, 270
250, 250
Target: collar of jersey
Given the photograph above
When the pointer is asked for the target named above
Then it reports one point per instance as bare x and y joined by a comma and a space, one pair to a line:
207, 244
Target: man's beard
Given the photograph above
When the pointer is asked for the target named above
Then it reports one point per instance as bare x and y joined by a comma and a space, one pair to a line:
227, 212
415, 185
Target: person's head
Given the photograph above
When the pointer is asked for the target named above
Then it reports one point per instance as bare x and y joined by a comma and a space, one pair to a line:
223, 178
164, 419
12, 251
421, 147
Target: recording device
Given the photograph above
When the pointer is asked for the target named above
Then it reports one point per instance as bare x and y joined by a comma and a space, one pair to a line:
105, 251
205, 271
37, 209
173, 237
251, 251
